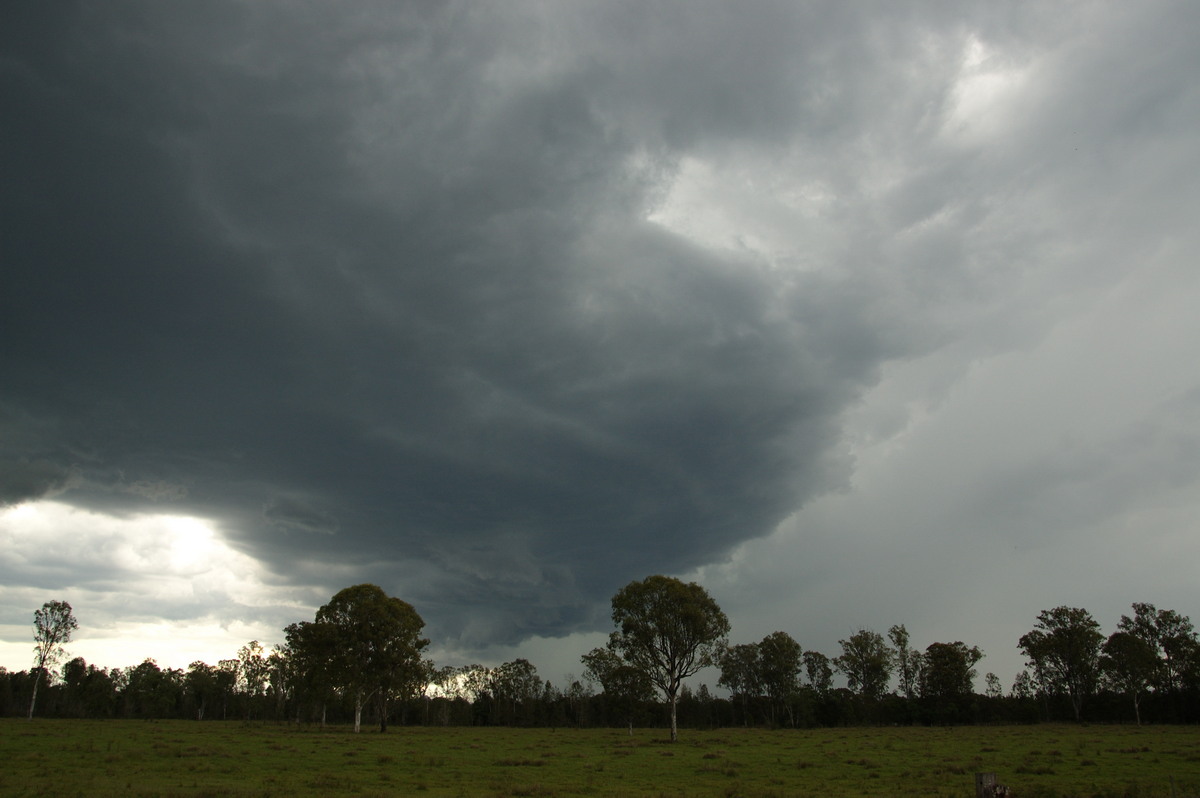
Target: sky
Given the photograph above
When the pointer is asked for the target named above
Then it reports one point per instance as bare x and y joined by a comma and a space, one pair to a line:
857, 314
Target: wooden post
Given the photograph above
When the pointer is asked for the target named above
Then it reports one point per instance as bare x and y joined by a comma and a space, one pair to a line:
985, 785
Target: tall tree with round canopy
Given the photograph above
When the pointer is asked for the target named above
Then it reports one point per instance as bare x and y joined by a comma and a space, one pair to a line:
376, 646
669, 630
1064, 649
867, 662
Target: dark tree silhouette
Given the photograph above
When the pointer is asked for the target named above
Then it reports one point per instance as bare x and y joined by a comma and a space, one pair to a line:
52, 628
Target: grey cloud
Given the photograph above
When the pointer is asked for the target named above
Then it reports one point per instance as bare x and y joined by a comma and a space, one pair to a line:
432, 312
383, 273
291, 513
24, 479
158, 491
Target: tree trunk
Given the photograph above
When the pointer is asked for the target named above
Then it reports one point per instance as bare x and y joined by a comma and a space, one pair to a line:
358, 704
382, 712
674, 727
33, 698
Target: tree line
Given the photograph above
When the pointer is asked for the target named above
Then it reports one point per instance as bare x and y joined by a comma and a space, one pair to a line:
363, 656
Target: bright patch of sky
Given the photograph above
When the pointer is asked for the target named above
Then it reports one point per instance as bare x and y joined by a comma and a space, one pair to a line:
988, 96
161, 586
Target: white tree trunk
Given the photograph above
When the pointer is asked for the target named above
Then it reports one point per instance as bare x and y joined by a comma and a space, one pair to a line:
37, 680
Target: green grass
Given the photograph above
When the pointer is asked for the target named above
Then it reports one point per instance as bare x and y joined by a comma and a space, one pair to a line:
181, 758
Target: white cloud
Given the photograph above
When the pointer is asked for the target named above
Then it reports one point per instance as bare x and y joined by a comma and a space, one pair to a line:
988, 95
162, 586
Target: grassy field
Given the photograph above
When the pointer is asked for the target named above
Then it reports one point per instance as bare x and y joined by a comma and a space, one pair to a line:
65, 758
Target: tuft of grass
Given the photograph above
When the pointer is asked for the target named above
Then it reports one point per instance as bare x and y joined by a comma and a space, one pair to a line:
1035, 770
520, 763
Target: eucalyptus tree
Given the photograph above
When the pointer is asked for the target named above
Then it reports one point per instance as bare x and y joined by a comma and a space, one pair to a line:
741, 674
622, 684
577, 696
780, 661
514, 686
1064, 650
52, 628
472, 681
74, 672
281, 678
948, 670
948, 680
228, 673
1170, 636
87, 690
1130, 665
1024, 685
668, 630
818, 671
152, 691
312, 649
867, 662
255, 671
201, 685
908, 662
375, 647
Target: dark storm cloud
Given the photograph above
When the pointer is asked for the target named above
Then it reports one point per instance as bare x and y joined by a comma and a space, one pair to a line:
376, 287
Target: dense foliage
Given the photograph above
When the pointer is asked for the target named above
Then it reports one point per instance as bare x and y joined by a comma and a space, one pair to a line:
667, 630
331, 670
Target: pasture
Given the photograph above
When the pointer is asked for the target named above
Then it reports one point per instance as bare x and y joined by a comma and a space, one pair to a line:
182, 758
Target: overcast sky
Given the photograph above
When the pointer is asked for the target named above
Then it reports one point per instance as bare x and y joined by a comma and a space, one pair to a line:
857, 313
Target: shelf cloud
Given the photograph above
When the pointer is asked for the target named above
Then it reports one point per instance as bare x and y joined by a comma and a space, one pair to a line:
501, 307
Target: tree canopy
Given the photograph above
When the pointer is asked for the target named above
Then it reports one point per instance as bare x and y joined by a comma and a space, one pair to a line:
52, 628
668, 630
1064, 650
371, 645
363, 650
867, 662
